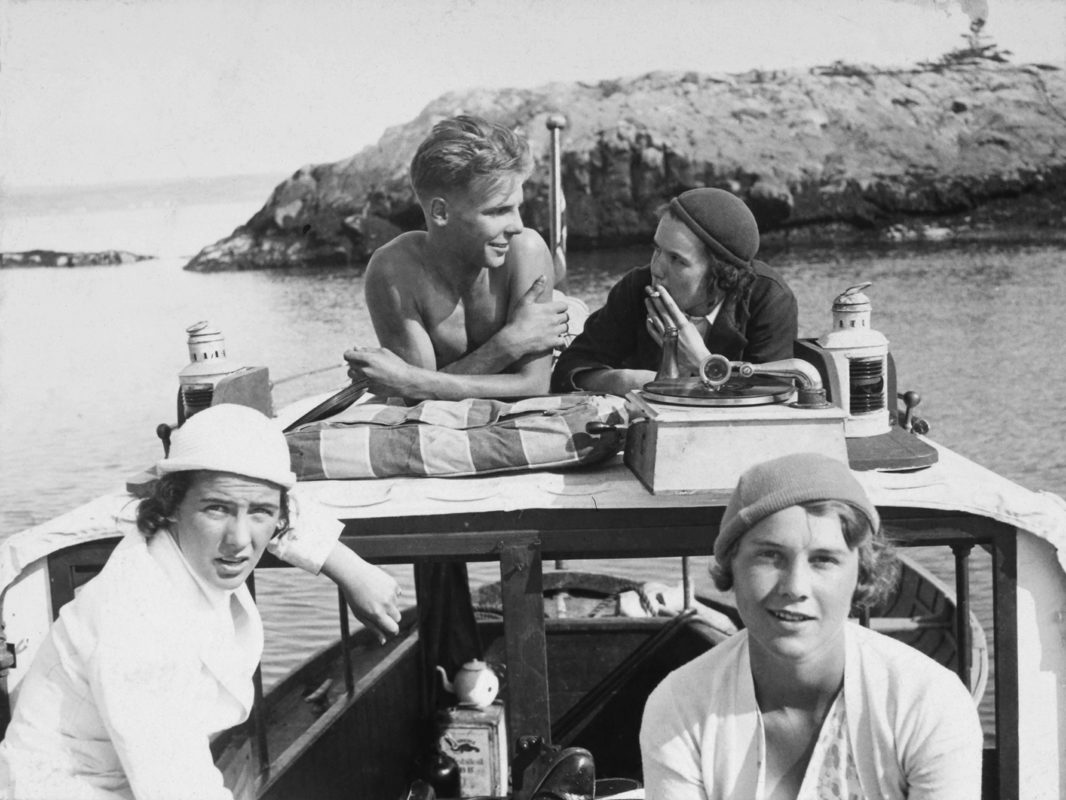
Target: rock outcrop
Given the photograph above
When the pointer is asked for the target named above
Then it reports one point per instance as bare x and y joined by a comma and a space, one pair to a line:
55, 258
827, 151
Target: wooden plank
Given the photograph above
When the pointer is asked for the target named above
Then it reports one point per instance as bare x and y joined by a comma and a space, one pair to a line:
590, 533
522, 587
288, 770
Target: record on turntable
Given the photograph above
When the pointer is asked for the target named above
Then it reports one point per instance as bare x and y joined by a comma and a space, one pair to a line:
737, 392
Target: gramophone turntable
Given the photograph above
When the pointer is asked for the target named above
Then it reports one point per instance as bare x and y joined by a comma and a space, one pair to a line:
690, 434
694, 393
835, 397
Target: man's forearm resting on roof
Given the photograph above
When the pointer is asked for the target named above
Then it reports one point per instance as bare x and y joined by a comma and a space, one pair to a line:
432, 385
610, 381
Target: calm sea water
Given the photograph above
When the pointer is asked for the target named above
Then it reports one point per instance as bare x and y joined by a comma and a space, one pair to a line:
89, 361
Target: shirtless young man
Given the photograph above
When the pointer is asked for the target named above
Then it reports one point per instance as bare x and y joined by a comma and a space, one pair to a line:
463, 309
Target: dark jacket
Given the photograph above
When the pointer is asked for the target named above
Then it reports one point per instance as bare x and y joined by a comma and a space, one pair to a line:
616, 336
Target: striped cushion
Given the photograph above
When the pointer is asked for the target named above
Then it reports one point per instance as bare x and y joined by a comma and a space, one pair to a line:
460, 437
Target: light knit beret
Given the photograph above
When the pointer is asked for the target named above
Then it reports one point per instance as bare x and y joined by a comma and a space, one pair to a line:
721, 221
231, 438
787, 481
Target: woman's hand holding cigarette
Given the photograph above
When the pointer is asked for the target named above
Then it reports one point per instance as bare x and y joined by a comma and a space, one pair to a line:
664, 313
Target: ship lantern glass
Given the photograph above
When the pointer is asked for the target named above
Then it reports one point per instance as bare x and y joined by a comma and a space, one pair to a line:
858, 363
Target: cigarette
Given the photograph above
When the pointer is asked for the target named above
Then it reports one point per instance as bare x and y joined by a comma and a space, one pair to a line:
653, 294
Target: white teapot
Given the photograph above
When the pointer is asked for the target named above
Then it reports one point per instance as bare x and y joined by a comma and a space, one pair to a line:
475, 684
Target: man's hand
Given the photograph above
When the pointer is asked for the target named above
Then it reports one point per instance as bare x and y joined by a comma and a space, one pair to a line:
534, 327
664, 313
387, 373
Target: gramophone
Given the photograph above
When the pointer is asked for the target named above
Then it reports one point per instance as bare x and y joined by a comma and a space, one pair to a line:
834, 397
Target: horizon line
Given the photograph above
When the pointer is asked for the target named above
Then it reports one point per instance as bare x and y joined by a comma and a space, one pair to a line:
8, 189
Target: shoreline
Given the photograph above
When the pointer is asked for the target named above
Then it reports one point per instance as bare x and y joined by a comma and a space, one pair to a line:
931, 234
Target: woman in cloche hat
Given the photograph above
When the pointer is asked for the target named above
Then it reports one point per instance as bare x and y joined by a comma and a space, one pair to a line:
157, 652
804, 703
705, 281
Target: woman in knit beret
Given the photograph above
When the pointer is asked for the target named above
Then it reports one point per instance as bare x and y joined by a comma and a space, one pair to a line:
704, 280
804, 703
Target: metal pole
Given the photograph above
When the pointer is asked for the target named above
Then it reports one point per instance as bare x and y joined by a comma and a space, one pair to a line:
963, 639
557, 201
346, 642
688, 588
258, 715
556, 219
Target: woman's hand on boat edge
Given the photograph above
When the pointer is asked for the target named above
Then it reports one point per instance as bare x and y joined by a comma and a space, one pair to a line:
373, 595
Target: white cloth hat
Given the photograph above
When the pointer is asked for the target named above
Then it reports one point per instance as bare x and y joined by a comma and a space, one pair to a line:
231, 438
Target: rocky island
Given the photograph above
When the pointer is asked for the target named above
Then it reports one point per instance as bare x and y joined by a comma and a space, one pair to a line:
841, 151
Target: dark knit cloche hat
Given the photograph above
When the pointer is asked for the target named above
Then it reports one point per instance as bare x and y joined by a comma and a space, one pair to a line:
721, 221
790, 480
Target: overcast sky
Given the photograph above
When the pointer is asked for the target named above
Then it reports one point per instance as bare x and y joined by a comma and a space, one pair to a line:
95, 91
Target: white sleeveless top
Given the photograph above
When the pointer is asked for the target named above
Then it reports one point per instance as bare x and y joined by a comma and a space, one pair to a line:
831, 773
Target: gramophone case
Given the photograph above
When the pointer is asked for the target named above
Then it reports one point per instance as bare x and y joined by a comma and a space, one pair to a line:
689, 448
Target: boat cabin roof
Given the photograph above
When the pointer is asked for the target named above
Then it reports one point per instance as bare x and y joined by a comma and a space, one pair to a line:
953, 485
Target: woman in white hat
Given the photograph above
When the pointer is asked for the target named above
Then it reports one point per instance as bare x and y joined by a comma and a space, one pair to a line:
157, 652
803, 703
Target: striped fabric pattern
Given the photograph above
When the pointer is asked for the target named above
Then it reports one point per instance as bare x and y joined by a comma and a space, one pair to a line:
461, 437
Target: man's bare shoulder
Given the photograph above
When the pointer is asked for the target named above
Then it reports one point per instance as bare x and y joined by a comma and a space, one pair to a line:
529, 245
398, 258
527, 260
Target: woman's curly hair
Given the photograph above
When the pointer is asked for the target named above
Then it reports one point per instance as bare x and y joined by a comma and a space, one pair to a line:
156, 511
878, 565
728, 284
